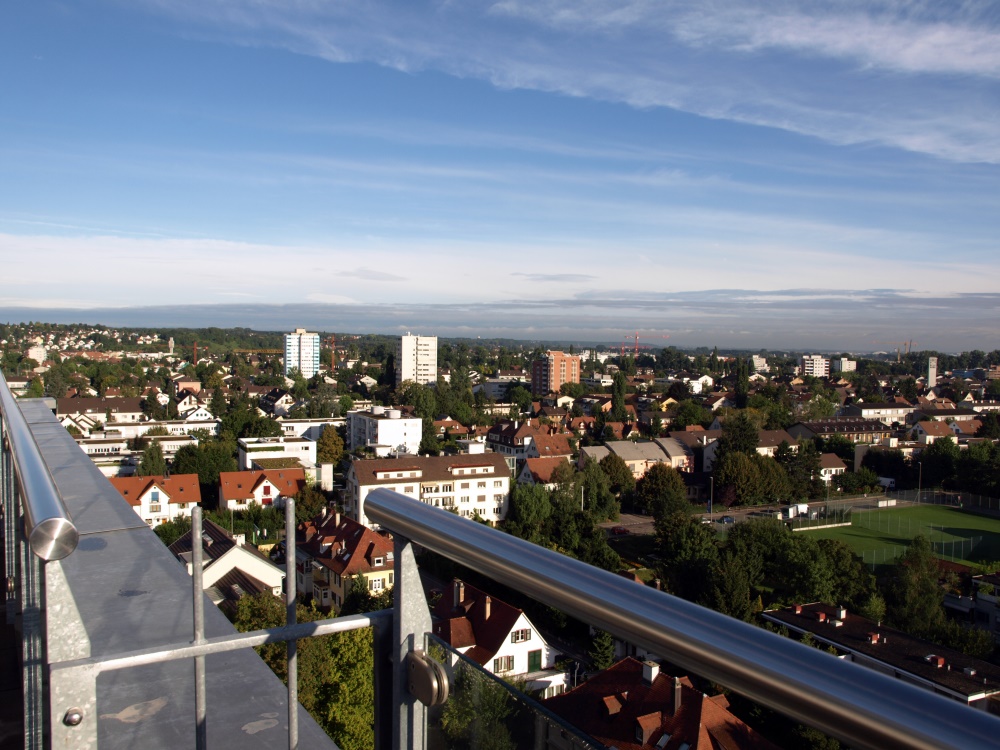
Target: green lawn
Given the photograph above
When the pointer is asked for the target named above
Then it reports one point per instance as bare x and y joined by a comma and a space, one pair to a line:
879, 535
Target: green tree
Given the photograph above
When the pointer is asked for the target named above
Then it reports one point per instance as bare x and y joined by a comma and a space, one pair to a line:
602, 651
914, 598
661, 491
475, 715
206, 460
689, 413
152, 462
330, 446
335, 671
739, 435
309, 501
737, 480
689, 554
618, 391
599, 499
622, 479
873, 608
528, 513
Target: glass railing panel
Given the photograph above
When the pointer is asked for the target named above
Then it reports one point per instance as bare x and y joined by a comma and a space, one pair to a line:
484, 710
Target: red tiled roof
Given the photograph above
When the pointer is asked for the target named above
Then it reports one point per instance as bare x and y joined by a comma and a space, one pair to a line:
345, 546
470, 617
702, 722
240, 485
179, 488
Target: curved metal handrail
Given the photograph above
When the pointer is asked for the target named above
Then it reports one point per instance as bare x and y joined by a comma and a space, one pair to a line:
856, 704
48, 526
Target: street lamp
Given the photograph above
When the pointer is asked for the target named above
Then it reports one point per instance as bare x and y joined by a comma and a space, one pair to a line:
711, 493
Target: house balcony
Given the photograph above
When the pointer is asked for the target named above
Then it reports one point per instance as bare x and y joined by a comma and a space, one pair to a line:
118, 649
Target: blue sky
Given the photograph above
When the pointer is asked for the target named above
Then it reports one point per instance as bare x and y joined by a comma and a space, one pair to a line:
737, 173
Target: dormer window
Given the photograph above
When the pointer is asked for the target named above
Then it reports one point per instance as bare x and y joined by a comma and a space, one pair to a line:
378, 561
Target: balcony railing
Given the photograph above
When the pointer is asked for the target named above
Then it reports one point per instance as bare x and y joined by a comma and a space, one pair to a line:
119, 654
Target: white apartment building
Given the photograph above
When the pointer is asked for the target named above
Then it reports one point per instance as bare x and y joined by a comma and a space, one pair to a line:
844, 365
759, 364
417, 359
815, 365
302, 352
384, 430
469, 485
250, 449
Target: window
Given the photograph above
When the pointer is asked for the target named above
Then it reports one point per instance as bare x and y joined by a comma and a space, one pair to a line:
376, 584
520, 636
182, 506
497, 483
498, 498
464, 485
465, 498
408, 489
378, 561
481, 485
154, 508
447, 488
503, 664
154, 496
267, 489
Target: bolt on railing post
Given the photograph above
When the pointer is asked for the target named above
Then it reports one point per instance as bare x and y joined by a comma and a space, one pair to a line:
198, 617
291, 589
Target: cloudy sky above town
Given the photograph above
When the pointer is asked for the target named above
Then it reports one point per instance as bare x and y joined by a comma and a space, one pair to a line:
761, 174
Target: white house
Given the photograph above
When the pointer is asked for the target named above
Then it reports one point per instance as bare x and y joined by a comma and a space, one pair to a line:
230, 569
384, 430
497, 636
275, 447
159, 499
830, 465
470, 485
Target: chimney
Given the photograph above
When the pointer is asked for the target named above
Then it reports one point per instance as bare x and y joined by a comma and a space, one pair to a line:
650, 669
486, 608
677, 695
336, 519
459, 590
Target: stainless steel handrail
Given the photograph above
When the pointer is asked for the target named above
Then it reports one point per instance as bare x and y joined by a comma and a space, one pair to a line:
48, 527
858, 705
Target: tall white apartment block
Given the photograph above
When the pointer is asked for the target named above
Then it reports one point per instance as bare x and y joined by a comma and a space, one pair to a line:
759, 364
815, 365
417, 359
931, 372
844, 365
302, 352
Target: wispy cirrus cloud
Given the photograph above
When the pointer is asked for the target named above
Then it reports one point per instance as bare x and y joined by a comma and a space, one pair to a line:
911, 75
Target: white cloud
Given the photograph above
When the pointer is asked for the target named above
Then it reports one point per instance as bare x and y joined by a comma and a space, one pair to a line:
850, 72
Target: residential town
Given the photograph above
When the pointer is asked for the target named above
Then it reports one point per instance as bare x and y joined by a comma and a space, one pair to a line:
700, 473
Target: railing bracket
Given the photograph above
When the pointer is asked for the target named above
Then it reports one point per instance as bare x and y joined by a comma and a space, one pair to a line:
428, 681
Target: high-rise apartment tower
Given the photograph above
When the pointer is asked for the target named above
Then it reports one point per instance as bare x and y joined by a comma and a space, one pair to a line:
417, 359
548, 374
302, 352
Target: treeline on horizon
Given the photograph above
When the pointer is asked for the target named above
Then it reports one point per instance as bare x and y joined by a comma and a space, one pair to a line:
222, 340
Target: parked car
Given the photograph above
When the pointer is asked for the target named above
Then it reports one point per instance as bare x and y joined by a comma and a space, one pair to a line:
619, 530
727, 519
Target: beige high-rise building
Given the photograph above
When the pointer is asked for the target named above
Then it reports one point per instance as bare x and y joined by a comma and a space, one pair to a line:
548, 375
417, 359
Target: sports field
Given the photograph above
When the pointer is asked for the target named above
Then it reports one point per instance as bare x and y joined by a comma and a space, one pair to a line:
878, 536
